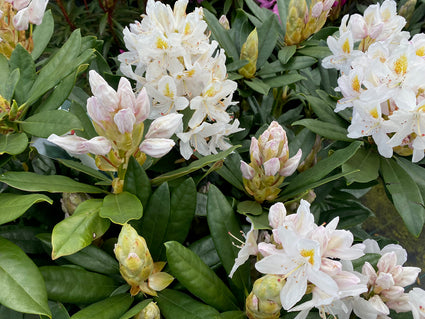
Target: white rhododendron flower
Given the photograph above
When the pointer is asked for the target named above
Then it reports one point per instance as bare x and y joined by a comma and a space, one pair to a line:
170, 54
381, 79
29, 11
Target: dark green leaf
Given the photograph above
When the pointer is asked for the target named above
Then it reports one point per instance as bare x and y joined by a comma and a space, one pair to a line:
85, 169
71, 285
13, 144
282, 7
258, 86
233, 315
177, 305
122, 207
250, 207
136, 309
283, 80
205, 249
231, 172
137, 182
405, 194
79, 111
79, 230
13, 206
21, 285
286, 53
110, 308
299, 62
370, 258
23, 237
367, 162
323, 110
10, 86
32, 182
222, 222
58, 310
22, 60
200, 280
318, 52
51, 122
325, 129
42, 34
267, 38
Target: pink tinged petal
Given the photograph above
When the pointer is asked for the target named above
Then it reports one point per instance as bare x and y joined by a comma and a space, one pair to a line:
417, 303
277, 214
98, 145
278, 264
96, 81
142, 108
272, 166
379, 305
97, 113
254, 151
331, 267
393, 292
267, 249
400, 252
294, 289
247, 171
165, 126
21, 19
107, 98
317, 9
291, 164
70, 143
323, 281
408, 276
125, 120
20, 4
371, 246
156, 147
36, 11
387, 262
384, 280
369, 272
125, 95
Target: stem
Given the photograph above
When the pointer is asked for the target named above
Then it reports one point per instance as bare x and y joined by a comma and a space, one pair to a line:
65, 14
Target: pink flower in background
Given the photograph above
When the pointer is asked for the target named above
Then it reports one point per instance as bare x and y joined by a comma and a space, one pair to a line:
269, 4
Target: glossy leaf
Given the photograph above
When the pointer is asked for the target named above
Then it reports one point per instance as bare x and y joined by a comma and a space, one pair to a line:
137, 182
231, 171
222, 222
51, 122
299, 62
121, 208
367, 164
194, 166
79, 230
177, 305
318, 52
85, 169
405, 195
323, 109
22, 60
80, 111
258, 86
415, 171
233, 315
286, 53
267, 37
325, 129
10, 86
13, 206
205, 249
32, 182
42, 34
13, 144
136, 309
91, 257
283, 80
23, 237
4, 73
110, 308
153, 225
250, 207
71, 285
200, 280
58, 310
21, 285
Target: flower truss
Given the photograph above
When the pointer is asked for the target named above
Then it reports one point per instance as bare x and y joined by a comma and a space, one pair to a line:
171, 56
381, 79
316, 260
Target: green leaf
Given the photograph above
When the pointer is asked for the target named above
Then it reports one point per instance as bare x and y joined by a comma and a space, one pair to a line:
91, 257
110, 308
80, 112
233, 315
137, 182
42, 34
205, 249
231, 171
177, 305
10, 86
13, 144
21, 285
200, 280
267, 38
13, 206
405, 195
153, 225
286, 53
58, 310
234, 66
303, 181
324, 110
23, 237
4, 73
221, 35
71, 285
32, 182
84, 169
250, 207
22, 60
283, 80
79, 230
122, 207
51, 122
282, 7
370, 258
318, 52
260, 221
415, 171
136, 309
258, 86
299, 62
261, 13
367, 162
325, 129
222, 222
194, 166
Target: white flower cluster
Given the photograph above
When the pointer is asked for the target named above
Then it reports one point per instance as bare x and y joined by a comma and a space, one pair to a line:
171, 56
381, 79
316, 260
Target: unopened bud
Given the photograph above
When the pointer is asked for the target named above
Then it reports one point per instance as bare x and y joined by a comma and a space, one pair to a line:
249, 52
151, 311
70, 202
224, 22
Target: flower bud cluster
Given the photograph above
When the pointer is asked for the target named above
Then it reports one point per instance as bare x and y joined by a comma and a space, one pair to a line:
29, 11
171, 56
381, 79
270, 164
304, 258
304, 20
136, 264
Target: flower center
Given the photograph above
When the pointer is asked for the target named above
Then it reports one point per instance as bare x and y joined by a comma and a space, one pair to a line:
309, 254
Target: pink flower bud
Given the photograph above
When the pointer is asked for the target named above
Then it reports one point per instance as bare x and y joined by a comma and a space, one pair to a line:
142, 107
291, 164
125, 120
277, 214
165, 126
254, 151
156, 147
77, 145
21, 19
36, 11
20, 4
96, 112
106, 96
272, 166
125, 95
247, 171
317, 10
98, 145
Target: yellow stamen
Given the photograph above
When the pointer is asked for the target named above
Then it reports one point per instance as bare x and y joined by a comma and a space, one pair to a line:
355, 84
374, 113
346, 46
400, 66
161, 44
308, 253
